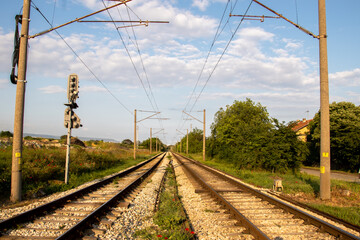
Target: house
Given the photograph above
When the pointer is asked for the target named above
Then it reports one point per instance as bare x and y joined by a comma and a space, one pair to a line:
301, 127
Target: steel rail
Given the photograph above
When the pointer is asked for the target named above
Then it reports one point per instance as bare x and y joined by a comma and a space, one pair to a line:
321, 224
255, 231
76, 230
323, 214
41, 210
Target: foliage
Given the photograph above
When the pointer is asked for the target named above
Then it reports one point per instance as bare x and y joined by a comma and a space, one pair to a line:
344, 137
127, 142
195, 141
244, 135
146, 144
6, 134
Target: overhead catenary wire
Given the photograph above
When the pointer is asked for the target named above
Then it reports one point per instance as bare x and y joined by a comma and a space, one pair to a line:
82, 61
143, 65
129, 55
222, 54
216, 36
152, 103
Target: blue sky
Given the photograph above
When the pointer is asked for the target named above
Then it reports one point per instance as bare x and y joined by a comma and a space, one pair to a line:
270, 62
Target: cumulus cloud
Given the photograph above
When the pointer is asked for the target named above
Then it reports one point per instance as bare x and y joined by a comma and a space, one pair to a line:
201, 4
346, 78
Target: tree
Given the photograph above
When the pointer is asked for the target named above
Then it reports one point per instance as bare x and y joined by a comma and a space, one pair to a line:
237, 133
146, 144
195, 141
6, 134
127, 142
344, 137
245, 135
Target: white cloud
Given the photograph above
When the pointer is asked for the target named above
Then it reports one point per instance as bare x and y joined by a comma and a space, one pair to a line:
346, 78
201, 4
52, 89
6, 49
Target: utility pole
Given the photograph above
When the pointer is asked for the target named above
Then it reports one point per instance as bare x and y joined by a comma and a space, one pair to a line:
204, 125
150, 140
137, 121
324, 107
16, 175
187, 141
325, 192
204, 138
135, 134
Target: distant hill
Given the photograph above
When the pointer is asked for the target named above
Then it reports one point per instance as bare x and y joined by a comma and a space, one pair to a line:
58, 137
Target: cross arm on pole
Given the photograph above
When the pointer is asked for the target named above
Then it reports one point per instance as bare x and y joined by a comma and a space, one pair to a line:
180, 132
158, 131
148, 117
279, 16
192, 117
78, 19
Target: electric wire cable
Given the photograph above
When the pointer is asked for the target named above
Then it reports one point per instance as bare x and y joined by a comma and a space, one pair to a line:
129, 55
82, 61
155, 108
226, 47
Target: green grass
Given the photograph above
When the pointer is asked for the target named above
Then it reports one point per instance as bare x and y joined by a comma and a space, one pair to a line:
169, 217
44, 169
350, 214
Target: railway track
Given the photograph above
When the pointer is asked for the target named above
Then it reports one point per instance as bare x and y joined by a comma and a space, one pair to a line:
247, 213
74, 215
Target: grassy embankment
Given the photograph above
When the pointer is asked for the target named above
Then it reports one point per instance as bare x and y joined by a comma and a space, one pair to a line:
302, 187
43, 169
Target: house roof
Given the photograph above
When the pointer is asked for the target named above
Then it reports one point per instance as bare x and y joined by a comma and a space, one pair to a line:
301, 124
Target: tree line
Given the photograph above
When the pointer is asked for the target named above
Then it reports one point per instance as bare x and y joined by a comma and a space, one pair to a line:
244, 134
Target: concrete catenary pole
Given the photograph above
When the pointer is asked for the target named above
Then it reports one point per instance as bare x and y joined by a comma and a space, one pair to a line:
324, 107
187, 141
150, 140
204, 138
135, 134
16, 176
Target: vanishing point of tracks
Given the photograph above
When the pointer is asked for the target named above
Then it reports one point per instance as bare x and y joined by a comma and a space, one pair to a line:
69, 217
251, 214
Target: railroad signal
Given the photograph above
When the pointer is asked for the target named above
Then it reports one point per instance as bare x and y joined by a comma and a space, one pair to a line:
73, 88
71, 118
75, 121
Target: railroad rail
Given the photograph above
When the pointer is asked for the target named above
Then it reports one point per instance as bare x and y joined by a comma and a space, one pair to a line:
74, 213
262, 215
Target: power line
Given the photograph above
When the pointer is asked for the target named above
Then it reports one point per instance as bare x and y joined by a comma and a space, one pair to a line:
129, 55
217, 63
141, 60
82, 61
207, 57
